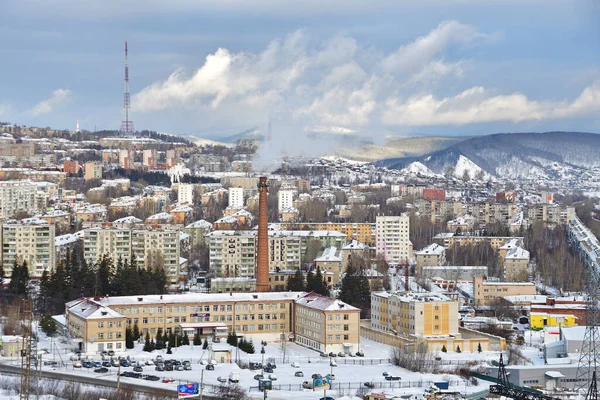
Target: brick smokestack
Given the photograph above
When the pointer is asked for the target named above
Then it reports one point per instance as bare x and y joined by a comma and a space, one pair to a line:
262, 264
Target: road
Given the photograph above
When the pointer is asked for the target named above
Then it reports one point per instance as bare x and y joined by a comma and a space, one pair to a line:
135, 387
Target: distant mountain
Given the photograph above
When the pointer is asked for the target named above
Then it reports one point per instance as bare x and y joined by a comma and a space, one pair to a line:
512, 155
252, 133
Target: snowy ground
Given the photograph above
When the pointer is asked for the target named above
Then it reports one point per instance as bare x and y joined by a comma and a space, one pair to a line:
348, 376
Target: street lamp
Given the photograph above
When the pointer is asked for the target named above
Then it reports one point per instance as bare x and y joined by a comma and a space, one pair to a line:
262, 351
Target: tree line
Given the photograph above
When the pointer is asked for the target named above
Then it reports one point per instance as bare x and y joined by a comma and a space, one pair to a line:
75, 278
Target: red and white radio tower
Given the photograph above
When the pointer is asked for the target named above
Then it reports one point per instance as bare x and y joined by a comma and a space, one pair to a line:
127, 125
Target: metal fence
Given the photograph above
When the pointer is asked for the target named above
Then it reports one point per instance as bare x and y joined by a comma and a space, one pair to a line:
373, 385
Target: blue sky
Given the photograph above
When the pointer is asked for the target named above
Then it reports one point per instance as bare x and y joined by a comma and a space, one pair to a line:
375, 68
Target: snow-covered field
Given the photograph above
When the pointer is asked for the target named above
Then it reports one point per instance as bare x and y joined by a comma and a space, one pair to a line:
349, 376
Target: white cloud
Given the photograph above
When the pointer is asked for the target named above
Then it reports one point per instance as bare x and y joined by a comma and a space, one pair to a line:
58, 98
344, 83
476, 105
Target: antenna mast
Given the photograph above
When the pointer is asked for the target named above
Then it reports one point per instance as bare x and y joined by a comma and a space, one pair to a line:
127, 125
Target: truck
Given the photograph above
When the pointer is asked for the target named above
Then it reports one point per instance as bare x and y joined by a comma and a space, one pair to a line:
234, 377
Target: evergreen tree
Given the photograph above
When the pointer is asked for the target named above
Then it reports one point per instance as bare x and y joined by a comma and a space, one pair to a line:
19, 280
1, 277
185, 340
159, 342
103, 276
296, 283
444, 349
116, 282
197, 339
355, 290
320, 284
310, 282
171, 339
479, 350
135, 332
45, 292
205, 344
230, 338
169, 351
152, 345
129, 338
458, 349
160, 280
147, 346
250, 347
48, 324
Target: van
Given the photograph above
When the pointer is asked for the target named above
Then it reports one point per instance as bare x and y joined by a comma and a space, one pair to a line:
234, 377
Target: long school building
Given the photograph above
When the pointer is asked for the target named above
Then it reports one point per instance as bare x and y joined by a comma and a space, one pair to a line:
262, 316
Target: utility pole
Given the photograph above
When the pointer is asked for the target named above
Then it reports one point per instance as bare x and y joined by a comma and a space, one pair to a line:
27, 320
201, 383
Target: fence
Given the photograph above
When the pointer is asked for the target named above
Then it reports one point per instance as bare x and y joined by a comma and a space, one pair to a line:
375, 385
243, 363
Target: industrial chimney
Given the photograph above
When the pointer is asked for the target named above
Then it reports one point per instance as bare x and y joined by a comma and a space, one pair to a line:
262, 264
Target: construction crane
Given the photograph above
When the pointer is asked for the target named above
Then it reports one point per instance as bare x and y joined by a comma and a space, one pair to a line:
26, 349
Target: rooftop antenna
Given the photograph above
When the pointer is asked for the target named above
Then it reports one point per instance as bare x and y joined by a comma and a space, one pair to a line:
127, 125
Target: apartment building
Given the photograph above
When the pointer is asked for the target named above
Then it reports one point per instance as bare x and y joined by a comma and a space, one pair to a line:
149, 158
236, 197
392, 240
185, 193
17, 196
550, 213
516, 265
285, 199
420, 314
233, 253
30, 240
126, 158
451, 239
326, 325
485, 292
151, 247
439, 210
93, 170
434, 254
197, 230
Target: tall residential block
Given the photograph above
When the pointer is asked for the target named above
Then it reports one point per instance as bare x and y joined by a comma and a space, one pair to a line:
285, 199
151, 247
149, 158
185, 193
30, 240
236, 197
17, 196
93, 170
392, 238
126, 158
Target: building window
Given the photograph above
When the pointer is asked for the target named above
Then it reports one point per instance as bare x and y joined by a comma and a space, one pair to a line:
215, 308
100, 324
346, 327
345, 317
110, 324
118, 345
346, 337
119, 335
100, 335
144, 320
330, 337
260, 327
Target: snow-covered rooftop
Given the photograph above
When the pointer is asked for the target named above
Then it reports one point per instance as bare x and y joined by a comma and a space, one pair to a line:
318, 302
433, 248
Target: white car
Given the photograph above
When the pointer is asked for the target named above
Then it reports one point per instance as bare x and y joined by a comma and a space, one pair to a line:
273, 377
295, 365
149, 362
77, 364
222, 379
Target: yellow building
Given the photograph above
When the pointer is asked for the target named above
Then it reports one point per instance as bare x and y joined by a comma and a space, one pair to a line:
432, 255
419, 314
486, 292
326, 325
539, 320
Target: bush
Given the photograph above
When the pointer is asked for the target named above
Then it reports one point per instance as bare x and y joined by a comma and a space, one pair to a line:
444, 349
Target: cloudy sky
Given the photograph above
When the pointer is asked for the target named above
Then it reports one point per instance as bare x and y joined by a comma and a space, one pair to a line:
377, 67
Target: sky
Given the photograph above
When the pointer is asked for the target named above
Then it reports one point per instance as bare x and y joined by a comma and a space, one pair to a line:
377, 68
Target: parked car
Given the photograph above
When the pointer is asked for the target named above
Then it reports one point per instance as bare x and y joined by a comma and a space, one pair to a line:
111, 353
307, 385
271, 365
369, 385
316, 376
187, 367
101, 370
222, 379
360, 354
138, 368
178, 367
50, 363
186, 362
125, 363
114, 363
340, 354
106, 364
299, 374
168, 380
268, 369
87, 364
324, 355
149, 362
385, 373
273, 377
332, 354
295, 365
77, 364
75, 357
351, 355
168, 367
392, 378
254, 366
158, 359
234, 377
151, 378
210, 367
327, 398
97, 364
258, 377
176, 362
159, 367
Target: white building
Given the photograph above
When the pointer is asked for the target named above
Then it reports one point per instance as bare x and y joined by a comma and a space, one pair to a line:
149, 158
185, 193
30, 240
392, 240
17, 196
285, 199
236, 197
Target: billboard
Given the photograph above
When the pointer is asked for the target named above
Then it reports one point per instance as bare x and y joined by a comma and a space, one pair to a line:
264, 384
321, 382
188, 390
